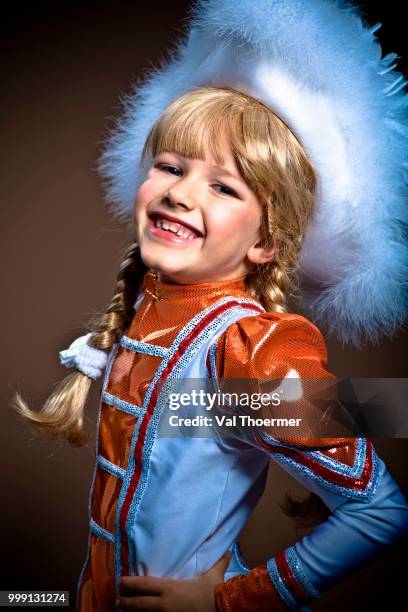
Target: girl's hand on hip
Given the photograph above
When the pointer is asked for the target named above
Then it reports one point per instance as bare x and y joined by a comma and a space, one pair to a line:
166, 595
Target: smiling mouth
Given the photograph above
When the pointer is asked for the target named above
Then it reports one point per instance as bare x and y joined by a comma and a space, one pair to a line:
171, 231
163, 224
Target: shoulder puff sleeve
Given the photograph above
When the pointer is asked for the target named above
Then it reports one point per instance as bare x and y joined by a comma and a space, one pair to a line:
368, 509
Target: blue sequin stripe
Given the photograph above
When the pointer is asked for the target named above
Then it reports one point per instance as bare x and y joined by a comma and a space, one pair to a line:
115, 401
153, 425
110, 467
300, 467
105, 383
213, 366
280, 586
354, 471
337, 466
102, 533
144, 347
346, 491
342, 468
294, 564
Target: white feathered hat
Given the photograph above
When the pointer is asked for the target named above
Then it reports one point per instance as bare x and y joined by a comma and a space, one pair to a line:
319, 67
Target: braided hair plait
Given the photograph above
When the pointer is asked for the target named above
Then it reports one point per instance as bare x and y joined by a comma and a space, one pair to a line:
62, 413
110, 325
270, 285
274, 282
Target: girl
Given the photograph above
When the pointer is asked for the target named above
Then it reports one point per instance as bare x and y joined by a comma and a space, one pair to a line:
220, 217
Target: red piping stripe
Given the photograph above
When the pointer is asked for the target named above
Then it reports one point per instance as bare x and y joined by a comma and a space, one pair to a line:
289, 579
349, 482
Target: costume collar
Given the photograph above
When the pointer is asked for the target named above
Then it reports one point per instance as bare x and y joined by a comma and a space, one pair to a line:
172, 292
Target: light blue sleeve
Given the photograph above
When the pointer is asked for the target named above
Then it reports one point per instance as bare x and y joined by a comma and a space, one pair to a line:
355, 533
368, 514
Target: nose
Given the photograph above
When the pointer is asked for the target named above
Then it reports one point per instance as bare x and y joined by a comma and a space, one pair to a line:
182, 194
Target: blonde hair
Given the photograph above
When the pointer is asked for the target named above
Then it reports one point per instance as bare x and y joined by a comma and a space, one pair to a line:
62, 413
275, 166
270, 159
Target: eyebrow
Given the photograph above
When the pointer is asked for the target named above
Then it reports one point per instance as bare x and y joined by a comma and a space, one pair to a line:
227, 173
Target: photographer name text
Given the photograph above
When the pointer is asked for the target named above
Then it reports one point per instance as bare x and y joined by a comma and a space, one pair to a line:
232, 421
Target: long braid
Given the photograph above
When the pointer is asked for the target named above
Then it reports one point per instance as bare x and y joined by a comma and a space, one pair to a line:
272, 284
62, 413
109, 326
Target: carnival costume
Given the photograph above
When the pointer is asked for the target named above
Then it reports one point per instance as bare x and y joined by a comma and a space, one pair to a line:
171, 506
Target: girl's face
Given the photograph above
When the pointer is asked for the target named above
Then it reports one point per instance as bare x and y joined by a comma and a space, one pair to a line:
196, 221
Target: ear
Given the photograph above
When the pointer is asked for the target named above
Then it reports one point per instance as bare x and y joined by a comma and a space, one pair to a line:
259, 253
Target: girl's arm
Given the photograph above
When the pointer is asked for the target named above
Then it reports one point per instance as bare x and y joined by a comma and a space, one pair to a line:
368, 510
369, 513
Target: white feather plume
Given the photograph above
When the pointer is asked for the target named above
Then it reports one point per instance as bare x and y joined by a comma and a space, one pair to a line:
318, 66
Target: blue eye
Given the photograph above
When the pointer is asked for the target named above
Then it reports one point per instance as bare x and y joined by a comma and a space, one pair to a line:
229, 191
167, 168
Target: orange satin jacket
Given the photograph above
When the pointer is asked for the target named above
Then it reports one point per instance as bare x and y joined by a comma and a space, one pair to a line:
266, 346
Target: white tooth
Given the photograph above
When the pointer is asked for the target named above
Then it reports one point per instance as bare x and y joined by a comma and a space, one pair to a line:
163, 224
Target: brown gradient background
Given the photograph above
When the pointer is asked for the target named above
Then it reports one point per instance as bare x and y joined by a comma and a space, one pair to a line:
65, 66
